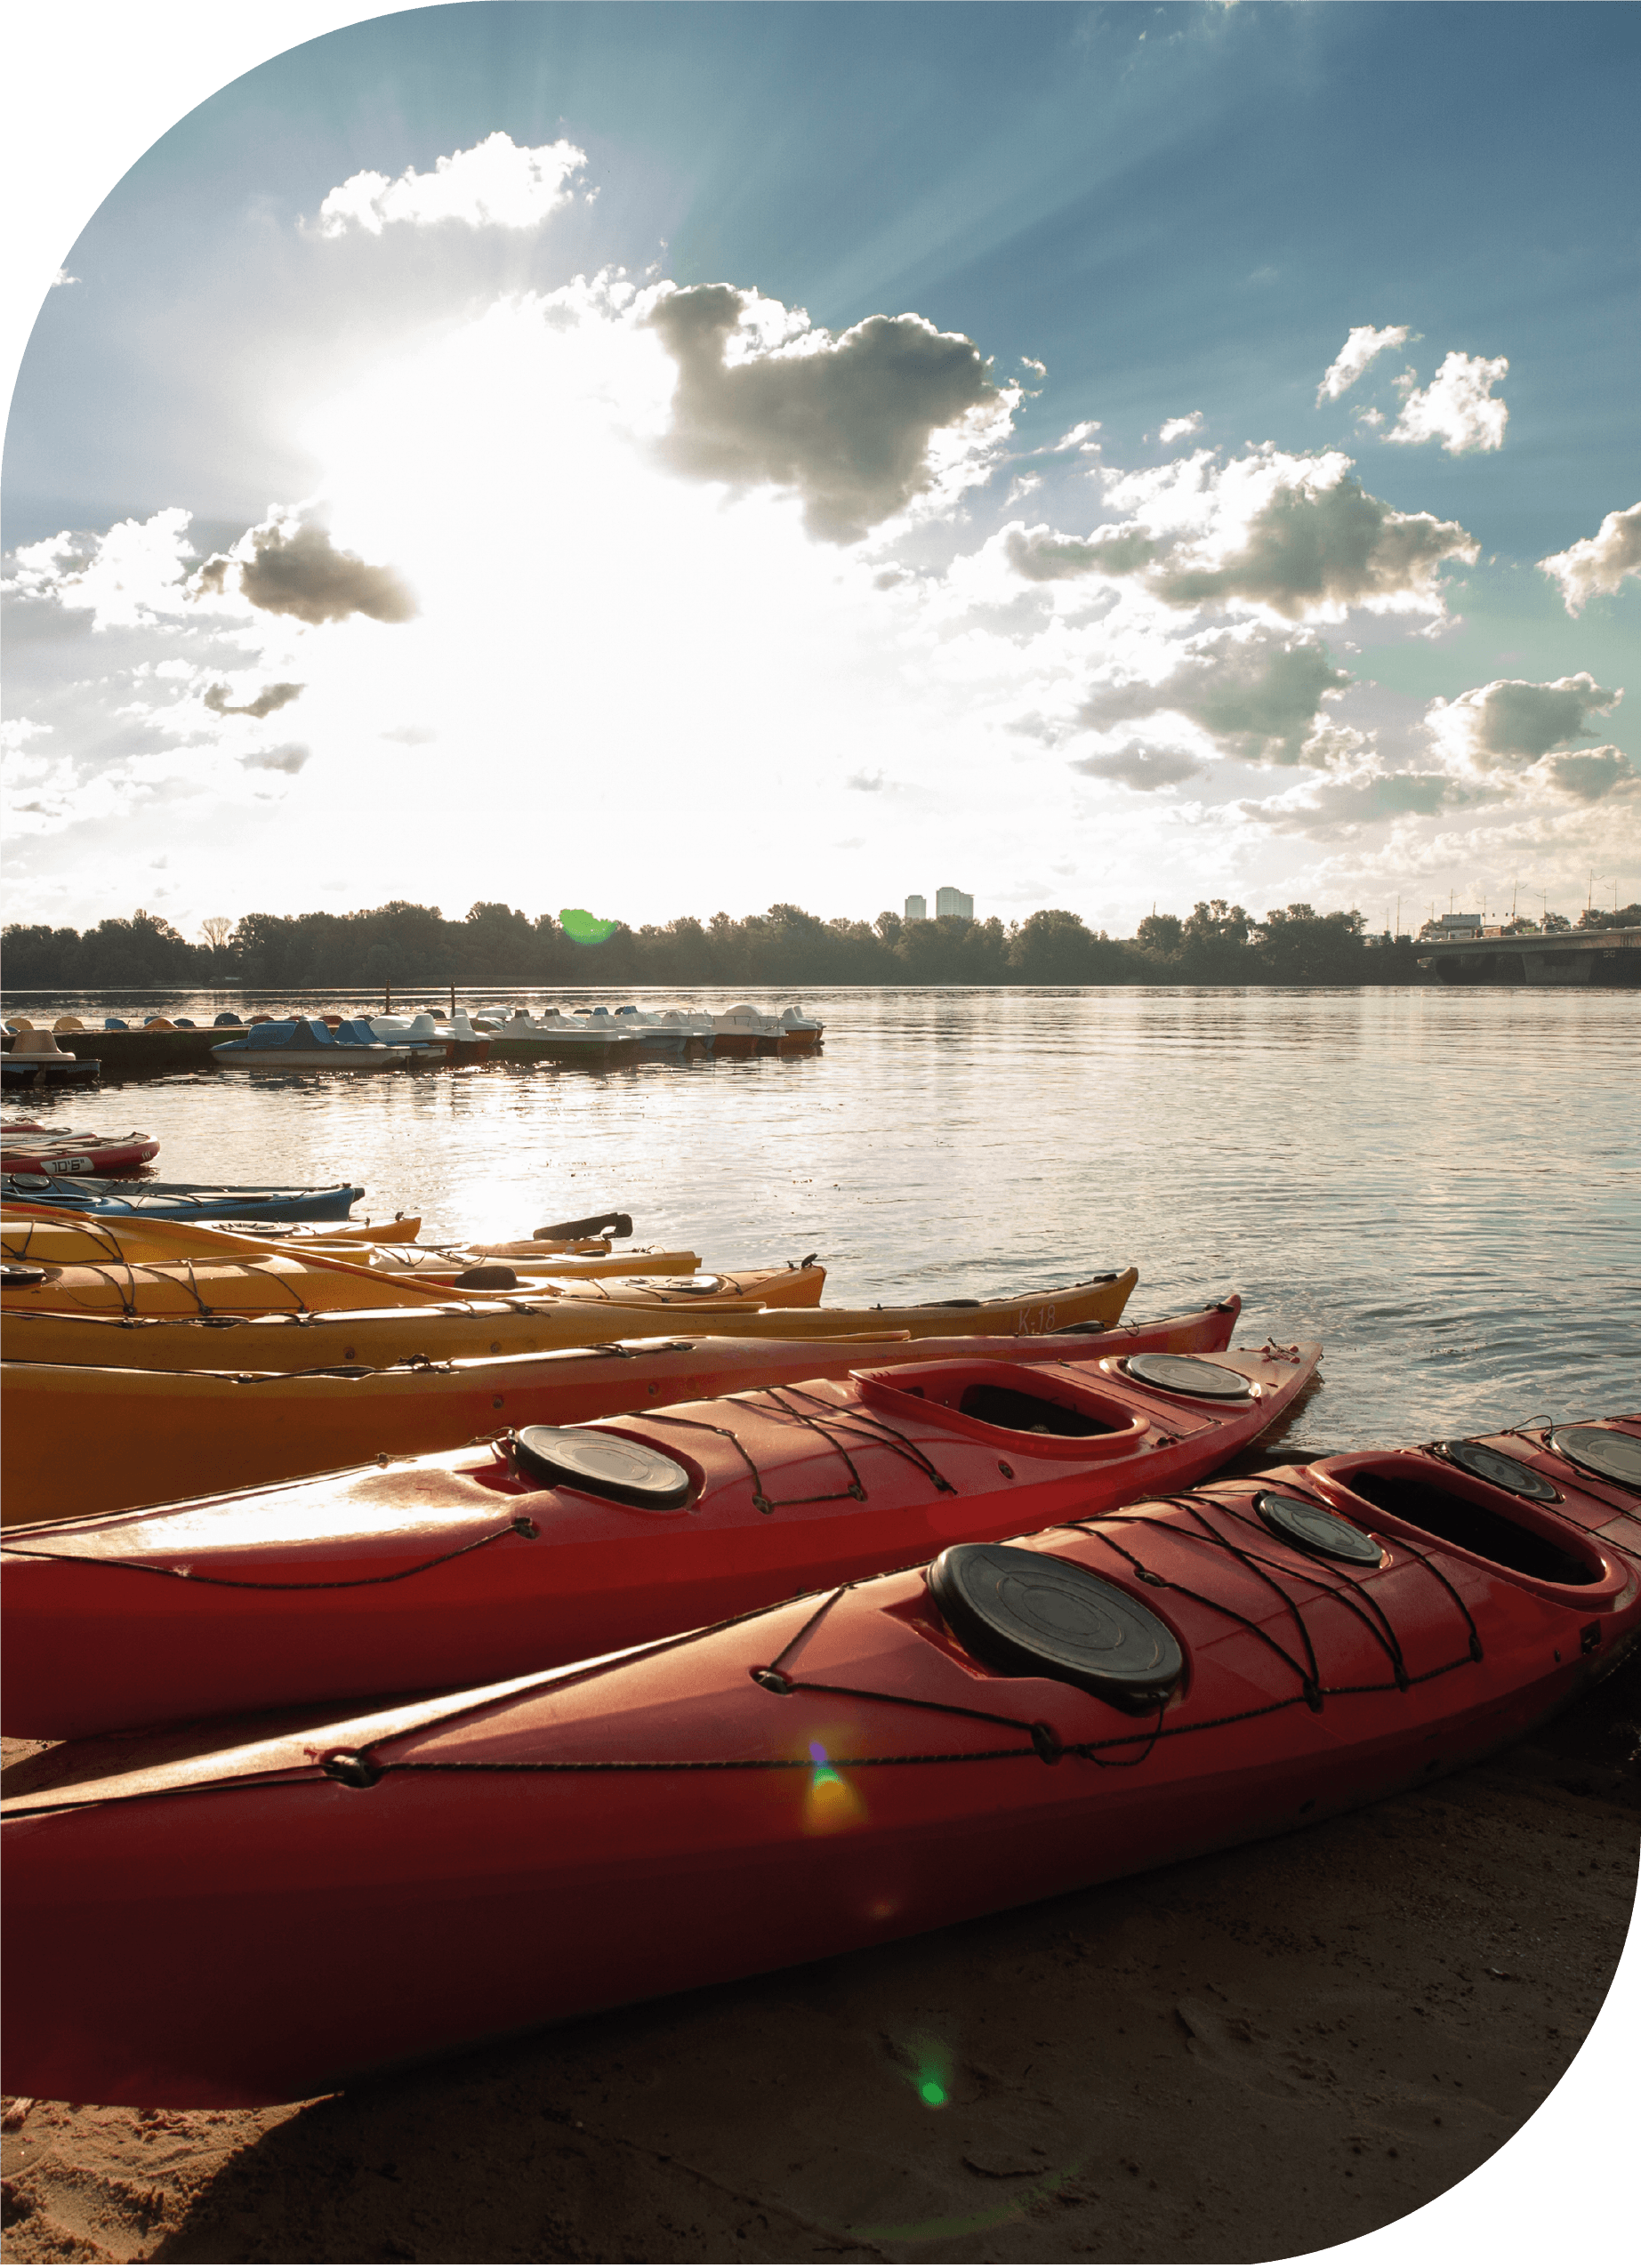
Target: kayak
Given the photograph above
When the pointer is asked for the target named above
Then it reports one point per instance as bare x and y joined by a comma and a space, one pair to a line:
283, 1282
179, 1200
38, 1149
450, 1325
164, 1435
375, 1581
1004, 1722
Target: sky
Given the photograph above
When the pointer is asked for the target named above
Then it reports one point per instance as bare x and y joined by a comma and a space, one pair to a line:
671, 458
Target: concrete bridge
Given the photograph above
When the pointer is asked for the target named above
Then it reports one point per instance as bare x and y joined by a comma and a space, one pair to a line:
1601, 957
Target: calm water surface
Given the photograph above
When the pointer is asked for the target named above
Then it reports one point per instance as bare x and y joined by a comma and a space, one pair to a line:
1444, 1186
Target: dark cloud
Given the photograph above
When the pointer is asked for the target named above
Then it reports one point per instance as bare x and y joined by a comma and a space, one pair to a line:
289, 758
1042, 555
1592, 773
1139, 767
1258, 699
844, 421
272, 697
1323, 546
1511, 719
1342, 807
303, 574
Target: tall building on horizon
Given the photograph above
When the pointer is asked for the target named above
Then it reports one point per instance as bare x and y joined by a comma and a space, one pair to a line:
948, 900
917, 909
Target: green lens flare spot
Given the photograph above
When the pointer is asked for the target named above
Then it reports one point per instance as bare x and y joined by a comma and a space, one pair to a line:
931, 2092
583, 928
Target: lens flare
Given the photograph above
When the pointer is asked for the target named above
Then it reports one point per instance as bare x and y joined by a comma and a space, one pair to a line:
830, 1805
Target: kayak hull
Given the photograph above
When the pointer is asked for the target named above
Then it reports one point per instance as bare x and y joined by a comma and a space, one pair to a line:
442, 1330
166, 1435
453, 1569
425, 1877
181, 1200
77, 1154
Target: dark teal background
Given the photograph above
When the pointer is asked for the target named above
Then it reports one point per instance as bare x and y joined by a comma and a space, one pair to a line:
87, 87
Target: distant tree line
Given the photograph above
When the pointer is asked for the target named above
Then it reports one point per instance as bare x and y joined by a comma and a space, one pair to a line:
414, 948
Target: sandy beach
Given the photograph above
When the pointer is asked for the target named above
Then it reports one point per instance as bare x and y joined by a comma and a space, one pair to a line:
1253, 2056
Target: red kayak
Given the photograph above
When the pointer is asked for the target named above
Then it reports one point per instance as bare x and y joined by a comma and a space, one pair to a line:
556, 1542
277, 1915
27, 1149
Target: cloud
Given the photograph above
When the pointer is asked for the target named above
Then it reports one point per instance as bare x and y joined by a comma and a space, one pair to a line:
1257, 700
1362, 346
287, 569
275, 696
1298, 535
865, 783
289, 758
1140, 767
1342, 806
1080, 438
852, 424
126, 578
1334, 545
62, 277
495, 185
410, 736
1511, 723
1175, 428
1457, 408
1592, 773
1043, 555
1598, 562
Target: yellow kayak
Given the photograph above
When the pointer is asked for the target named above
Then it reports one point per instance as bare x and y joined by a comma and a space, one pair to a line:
177, 1267
163, 1435
65, 1240
527, 1324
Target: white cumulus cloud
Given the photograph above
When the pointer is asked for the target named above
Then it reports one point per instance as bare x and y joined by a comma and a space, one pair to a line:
1458, 407
1364, 345
1175, 428
494, 185
1597, 562
133, 574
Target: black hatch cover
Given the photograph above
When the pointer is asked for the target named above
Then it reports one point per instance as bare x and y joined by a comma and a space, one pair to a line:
598, 1464
1492, 1465
1615, 1456
1297, 1521
1034, 1616
1189, 1374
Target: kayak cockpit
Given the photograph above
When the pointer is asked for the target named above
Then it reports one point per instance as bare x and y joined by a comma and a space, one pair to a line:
1469, 1515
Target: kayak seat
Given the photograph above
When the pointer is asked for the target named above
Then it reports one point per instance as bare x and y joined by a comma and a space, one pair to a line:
1016, 1412
1489, 1532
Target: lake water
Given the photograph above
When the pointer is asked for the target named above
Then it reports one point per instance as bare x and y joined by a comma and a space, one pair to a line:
1443, 1186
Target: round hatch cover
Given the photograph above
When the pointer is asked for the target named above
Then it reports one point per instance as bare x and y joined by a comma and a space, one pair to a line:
599, 1464
1594, 1449
1297, 1521
672, 1286
1189, 1374
1034, 1616
1504, 1472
